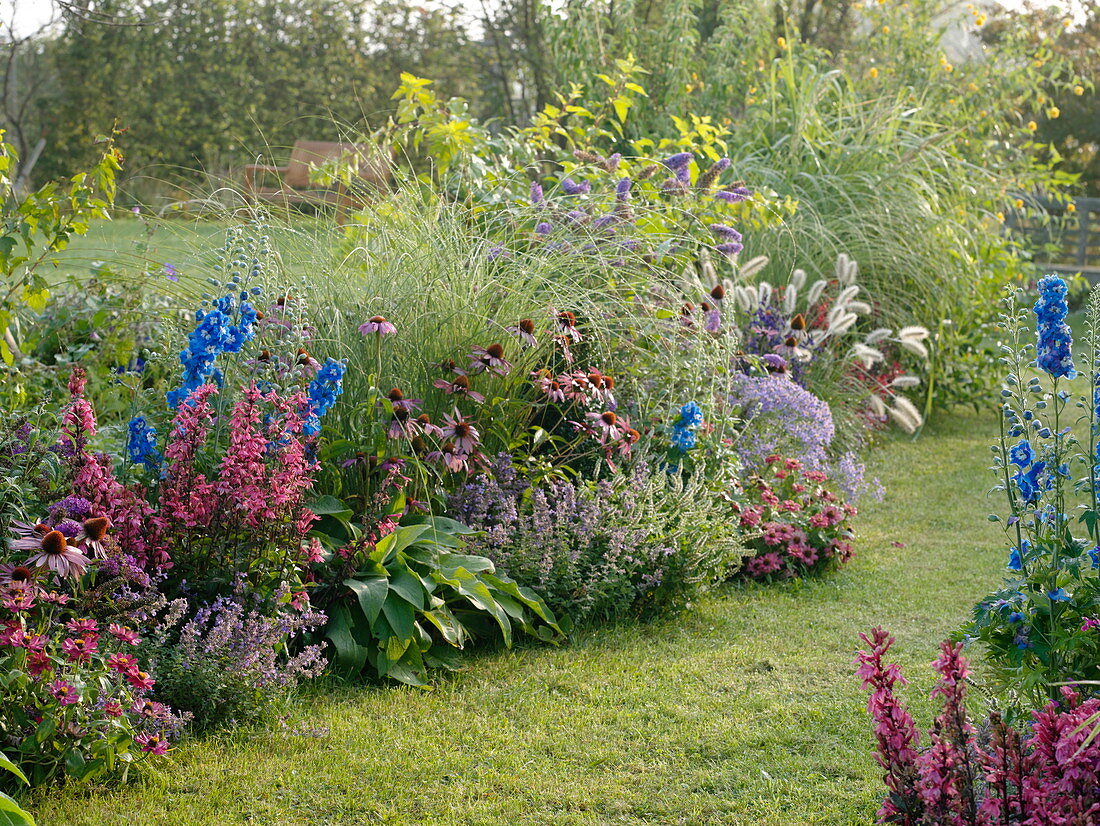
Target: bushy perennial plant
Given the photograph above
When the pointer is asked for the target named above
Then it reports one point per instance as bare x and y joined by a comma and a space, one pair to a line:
1041, 626
1044, 772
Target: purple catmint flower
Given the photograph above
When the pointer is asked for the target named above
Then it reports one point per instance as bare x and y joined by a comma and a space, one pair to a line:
622, 189
571, 187
733, 194
536, 193
543, 228
784, 418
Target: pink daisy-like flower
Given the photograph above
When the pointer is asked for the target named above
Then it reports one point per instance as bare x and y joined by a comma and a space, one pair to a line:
19, 599
112, 708
151, 743
124, 634
82, 626
122, 663
38, 663
424, 423
525, 332
461, 432
567, 326
91, 535
399, 402
55, 553
549, 386
64, 692
459, 386
606, 426
450, 457
489, 359
378, 326
140, 680
13, 574
80, 649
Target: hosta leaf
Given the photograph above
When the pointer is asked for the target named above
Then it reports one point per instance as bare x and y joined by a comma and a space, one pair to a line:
399, 614
371, 593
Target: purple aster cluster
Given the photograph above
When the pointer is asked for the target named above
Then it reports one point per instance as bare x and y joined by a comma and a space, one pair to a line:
784, 418
1054, 338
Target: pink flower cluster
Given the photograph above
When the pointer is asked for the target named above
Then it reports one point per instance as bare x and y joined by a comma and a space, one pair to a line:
798, 524
1048, 775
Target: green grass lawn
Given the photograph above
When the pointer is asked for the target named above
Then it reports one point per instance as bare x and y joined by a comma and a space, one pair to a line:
741, 711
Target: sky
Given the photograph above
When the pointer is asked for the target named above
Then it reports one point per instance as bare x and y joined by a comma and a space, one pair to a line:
33, 14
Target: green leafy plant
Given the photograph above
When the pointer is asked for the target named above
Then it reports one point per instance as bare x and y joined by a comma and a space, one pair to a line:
414, 599
11, 813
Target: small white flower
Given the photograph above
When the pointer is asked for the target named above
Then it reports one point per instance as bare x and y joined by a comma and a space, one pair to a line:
881, 334
798, 279
877, 405
765, 292
847, 294
909, 411
747, 298
868, 355
843, 324
859, 307
903, 419
846, 269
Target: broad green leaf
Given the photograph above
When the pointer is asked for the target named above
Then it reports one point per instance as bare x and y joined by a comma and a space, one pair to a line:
350, 655
331, 506
409, 587
12, 814
399, 614
9, 766
371, 593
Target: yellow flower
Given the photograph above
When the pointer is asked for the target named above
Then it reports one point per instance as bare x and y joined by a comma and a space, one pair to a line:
1078, 89
1053, 112
983, 114
1032, 126
979, 21
1018, 203
873, 72
972, 86
1071, 207
1001, 217
947, 67
782, 41
886, 30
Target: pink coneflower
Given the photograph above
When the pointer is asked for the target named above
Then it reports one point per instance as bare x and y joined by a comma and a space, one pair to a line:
549, 385
567, 326
64, 692
399, 402
525, 332
606, 426
124, 634
53, 552
461, 432
489, 358
91, 535
399, 428
424, 423
460, 386
450, 457
377, 325
17, 575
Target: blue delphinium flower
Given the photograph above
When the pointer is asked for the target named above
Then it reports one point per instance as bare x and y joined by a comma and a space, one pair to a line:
1059, 595
214, 334
682, 438
323, 390
1022, 454
1029, 483
142, 443
1094, 555
1015, 561
1054, 338
1016, 616
691, 415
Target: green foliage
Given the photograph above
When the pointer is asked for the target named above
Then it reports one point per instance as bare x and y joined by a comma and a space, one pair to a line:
11, 813
36, 226
417, 599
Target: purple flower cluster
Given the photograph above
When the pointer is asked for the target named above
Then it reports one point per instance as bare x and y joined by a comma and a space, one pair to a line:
784, 418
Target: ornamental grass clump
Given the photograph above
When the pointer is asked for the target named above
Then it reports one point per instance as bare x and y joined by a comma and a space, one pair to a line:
1041, 627
1043, 770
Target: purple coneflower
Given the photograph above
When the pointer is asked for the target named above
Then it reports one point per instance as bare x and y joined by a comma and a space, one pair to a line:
606, 426
461, 432
525, 332
377, 325
567, 326
52, 551
399, 402
459, 386
91, 535
489, 358
15, 575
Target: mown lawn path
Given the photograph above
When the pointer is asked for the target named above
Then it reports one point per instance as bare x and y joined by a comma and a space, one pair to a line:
742, 711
